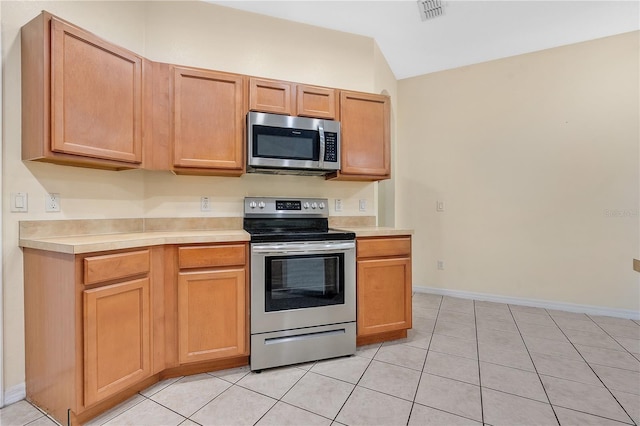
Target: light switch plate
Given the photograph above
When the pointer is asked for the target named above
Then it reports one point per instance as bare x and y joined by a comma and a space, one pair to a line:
363, 205
19, 202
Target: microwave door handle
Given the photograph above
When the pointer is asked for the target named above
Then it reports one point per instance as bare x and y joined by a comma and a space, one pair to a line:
322, 147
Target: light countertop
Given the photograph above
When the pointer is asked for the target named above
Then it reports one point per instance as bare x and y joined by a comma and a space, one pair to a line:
92, 243
94, 236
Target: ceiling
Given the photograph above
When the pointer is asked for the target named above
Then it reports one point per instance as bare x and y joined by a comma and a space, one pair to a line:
467, 32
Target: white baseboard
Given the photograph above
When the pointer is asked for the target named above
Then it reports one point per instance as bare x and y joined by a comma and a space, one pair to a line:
15, 393
537, 303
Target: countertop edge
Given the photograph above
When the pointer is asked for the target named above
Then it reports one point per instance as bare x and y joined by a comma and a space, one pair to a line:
106, 242
95, 243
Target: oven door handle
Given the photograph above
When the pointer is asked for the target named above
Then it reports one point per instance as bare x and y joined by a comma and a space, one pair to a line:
303, 248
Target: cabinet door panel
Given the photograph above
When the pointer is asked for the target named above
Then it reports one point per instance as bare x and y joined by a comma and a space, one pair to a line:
208, 119
271, 96
96, 96
384, 295
366, 134
116, 338
316, 102
211, 315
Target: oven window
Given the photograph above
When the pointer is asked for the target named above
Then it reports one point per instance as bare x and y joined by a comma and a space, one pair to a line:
294, 282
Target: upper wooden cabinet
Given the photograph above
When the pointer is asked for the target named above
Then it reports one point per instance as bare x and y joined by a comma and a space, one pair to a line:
282, 97
81, 97
207, 126
316, 102
87, 102
366, 137
272, 96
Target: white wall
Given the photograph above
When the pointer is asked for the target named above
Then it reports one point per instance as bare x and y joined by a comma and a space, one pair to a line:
185, 33
536, 159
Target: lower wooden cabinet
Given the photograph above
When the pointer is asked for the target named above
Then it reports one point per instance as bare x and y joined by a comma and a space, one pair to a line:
88, 328
384, 288
117, 338
211, 315
100, 327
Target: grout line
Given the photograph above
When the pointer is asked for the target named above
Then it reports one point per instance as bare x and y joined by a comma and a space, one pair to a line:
356, 385
435, 322
285, 394
475, 322
611, 336
594, 372
534, 366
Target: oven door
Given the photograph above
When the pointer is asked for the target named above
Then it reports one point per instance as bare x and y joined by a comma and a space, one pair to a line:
302, 284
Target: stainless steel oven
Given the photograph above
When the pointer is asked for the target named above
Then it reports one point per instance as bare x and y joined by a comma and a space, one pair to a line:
303, 297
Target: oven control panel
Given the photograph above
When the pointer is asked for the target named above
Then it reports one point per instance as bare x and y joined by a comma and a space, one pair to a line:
285, 207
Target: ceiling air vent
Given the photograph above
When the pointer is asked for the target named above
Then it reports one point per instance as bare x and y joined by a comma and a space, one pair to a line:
429, 9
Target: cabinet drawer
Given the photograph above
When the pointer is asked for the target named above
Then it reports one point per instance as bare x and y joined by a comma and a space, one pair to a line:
113, 266
383, 247
211, 256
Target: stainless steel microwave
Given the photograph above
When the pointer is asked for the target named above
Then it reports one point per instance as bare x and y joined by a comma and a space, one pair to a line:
292, 145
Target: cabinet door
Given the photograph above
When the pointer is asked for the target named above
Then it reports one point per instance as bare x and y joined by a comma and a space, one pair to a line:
208, 119
384, 295
117, 345
365, 135
211, 315
96, 96
271, 96
316, 102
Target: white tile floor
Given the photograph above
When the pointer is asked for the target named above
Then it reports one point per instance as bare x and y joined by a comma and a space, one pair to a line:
465, 363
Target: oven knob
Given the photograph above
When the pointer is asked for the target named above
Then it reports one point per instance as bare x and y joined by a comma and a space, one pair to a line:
252, 204
262, 205
305, 205
321, 205
314, 205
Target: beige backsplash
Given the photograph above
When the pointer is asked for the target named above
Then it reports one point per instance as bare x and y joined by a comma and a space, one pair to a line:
351, 221
191, 223
57, 228
60, 228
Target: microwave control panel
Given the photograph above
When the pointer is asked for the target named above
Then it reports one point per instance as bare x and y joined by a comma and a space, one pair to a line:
330, 146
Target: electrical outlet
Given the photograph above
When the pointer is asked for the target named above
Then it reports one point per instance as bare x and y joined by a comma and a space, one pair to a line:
19, 202
338, 205
205, 204
441, 265
440, 206
363, 205
52, 202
